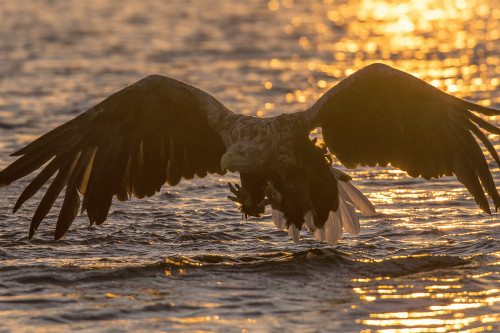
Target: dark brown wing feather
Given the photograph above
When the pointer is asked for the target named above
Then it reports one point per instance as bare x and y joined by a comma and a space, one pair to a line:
380, 116
155, 131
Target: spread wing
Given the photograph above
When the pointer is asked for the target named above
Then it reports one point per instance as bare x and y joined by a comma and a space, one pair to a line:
380, 116
155, 131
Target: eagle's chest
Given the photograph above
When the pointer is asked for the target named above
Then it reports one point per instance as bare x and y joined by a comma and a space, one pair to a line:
280, 141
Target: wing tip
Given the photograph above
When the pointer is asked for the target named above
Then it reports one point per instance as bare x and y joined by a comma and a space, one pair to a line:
486, 208
58, 236
486, 110
31, 233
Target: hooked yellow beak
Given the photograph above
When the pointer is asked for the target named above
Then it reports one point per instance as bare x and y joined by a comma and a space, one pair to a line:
227, 161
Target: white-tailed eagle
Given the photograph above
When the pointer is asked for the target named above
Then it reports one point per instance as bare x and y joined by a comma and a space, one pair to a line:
160, 130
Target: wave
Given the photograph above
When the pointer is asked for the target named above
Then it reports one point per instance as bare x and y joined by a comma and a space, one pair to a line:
298, 265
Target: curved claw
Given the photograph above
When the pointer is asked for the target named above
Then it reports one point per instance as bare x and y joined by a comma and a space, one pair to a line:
231, 187
241, 196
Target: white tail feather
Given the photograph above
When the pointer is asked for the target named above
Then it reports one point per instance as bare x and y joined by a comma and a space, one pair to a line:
308, 218
350, 219
344, 218
339, 174
294, 233
333, 229
320, 234
279, 219
338, 213
351, 194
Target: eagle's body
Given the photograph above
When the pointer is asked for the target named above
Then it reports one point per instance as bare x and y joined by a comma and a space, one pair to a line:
160, 130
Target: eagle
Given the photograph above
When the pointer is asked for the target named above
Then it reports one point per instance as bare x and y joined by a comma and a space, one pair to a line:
160, 130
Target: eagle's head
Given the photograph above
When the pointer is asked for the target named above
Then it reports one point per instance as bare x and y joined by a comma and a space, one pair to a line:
245, 157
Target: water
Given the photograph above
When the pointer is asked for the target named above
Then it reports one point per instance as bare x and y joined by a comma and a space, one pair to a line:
184, 261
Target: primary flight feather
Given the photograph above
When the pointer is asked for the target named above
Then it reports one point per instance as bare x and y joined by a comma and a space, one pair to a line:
160, 130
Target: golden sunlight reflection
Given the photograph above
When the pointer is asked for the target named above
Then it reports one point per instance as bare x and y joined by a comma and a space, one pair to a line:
262, 59
458, 309
444, 42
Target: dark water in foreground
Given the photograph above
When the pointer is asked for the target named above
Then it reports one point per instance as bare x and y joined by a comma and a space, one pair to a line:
184, 261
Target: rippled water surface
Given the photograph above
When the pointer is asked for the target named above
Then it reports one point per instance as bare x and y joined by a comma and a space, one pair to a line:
184, 260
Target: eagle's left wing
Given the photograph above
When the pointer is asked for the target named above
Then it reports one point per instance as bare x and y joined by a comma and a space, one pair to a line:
380, 116
154, 131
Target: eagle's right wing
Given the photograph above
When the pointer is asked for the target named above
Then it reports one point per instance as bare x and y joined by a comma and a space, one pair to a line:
154, 131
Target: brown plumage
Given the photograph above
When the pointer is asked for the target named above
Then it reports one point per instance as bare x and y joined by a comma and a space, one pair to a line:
160, 130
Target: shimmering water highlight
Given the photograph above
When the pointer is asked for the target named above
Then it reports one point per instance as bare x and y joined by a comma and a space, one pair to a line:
184, 260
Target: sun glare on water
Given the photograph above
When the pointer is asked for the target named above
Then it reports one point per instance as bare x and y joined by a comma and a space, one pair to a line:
447, 44
184, 260
442, 42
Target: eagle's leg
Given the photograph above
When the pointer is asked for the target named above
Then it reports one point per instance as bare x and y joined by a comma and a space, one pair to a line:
250, 195
241, 196
273, 197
